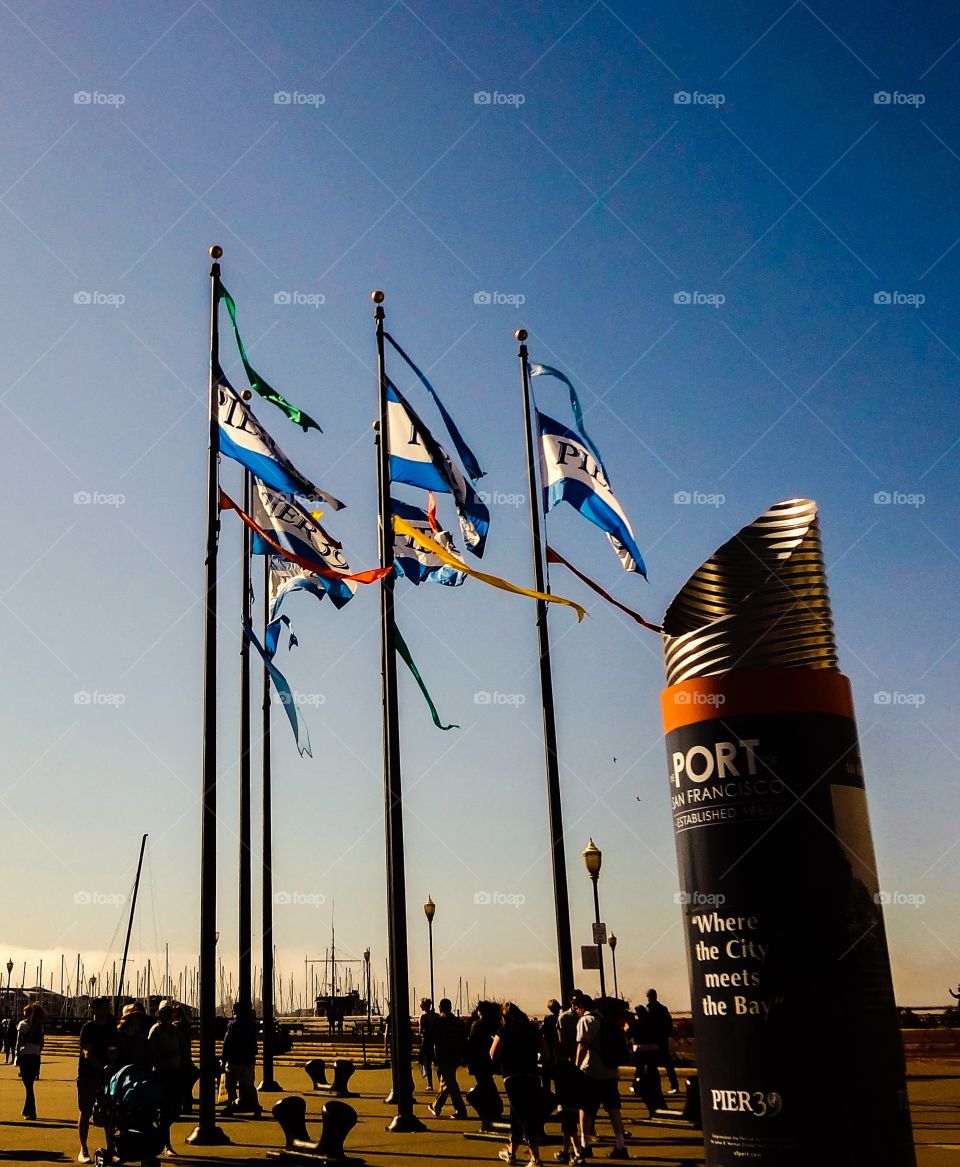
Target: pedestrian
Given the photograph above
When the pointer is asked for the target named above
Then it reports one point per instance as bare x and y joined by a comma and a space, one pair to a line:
163, 1045
98, 1052
27, 1051
550, 1027
484, 1097
569, 1084
516, 1049
239, 1058
601, 1047
646, 1077
425, 1026
9, 1039
449, 1048
132, 1037
662, 1024
188, 1070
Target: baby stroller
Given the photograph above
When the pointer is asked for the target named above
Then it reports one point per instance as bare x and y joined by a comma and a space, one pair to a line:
131, 1118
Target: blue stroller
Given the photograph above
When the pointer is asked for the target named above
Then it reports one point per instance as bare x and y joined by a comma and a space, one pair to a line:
131, 1119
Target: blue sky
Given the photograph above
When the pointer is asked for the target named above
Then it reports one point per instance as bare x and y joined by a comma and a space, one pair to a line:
735, 229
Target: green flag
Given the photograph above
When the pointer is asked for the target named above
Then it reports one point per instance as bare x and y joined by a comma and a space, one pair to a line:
404, 653
257, 383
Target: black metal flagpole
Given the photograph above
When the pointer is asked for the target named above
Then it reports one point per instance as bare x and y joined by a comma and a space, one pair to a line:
401, 1049
244, 931
207, 1133
555, 812
269, 1082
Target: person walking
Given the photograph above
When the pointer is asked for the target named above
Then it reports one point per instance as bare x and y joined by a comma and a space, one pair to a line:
163, 1045
662, 1025
27, 1052
484, 1097
9, 1039
98, 1051
132, 1037
516, 1049
188, 1069
600, 1049
239, 1057
425, 1027
449, 1047
646, 1076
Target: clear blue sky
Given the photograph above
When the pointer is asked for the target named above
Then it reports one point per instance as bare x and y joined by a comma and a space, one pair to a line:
587, 187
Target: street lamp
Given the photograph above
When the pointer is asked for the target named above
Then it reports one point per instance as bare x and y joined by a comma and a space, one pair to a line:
592, 859
9, 971
366, 962
429, 910
613, 953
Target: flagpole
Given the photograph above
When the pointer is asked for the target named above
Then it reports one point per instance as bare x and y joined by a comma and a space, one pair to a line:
269, 1083
207, 1133
554, 806
244, 932
401, 1049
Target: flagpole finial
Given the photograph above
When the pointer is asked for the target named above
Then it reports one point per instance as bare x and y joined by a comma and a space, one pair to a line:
215, 251
377, 297
521, 334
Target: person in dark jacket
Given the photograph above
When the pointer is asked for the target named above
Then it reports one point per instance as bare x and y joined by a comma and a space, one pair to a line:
239, 1057
517, 1050
449, 1046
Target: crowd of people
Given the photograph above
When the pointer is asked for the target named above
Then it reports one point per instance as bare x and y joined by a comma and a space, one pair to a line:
157, 1049
571, 1059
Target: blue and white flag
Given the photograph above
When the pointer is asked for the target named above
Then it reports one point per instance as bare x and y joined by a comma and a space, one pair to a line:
417, 458
414, 562
298, 532
245, 440
570, 473
576, 407
285, 693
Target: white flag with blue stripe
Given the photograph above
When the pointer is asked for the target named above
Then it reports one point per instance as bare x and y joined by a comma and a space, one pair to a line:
418, 459
244, 439
571, 473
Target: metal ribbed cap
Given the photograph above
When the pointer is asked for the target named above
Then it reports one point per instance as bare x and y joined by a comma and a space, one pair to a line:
759, 602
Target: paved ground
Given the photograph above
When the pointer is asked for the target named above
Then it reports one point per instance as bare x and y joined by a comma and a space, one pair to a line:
934, 1095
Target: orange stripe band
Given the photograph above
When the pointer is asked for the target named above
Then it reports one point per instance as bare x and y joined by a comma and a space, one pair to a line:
756, 691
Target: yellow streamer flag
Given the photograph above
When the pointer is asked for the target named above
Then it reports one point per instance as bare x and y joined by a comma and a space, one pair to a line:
402, 527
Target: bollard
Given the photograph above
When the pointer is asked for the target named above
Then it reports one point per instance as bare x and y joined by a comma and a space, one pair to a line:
792, 998
337, 1119
317, 1072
